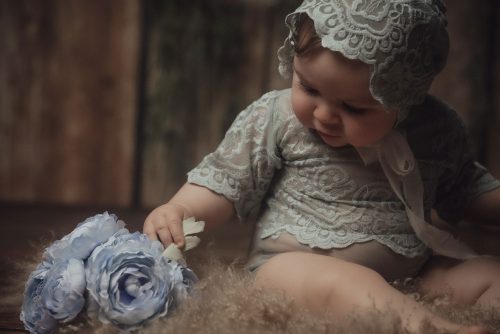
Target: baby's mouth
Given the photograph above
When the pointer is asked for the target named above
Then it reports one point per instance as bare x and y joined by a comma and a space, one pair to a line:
328, 135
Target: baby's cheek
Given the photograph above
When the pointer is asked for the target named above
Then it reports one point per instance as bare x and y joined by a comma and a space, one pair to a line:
359, 135
302, 109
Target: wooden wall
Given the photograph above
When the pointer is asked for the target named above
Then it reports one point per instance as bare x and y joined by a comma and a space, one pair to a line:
110, 103
470, 80
68, 72
206, 62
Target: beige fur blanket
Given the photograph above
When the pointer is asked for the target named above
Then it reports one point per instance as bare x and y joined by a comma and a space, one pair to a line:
225, 301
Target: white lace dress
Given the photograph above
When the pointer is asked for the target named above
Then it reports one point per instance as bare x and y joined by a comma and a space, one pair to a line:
306, 195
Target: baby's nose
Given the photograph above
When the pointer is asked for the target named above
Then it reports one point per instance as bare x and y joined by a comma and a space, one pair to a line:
327, 115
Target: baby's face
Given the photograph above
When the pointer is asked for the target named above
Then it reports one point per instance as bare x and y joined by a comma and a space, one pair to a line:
330, 94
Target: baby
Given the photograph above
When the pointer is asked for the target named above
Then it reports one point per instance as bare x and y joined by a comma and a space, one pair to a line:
340, 173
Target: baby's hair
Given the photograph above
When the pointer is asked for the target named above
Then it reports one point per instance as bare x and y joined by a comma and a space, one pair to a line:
306, 40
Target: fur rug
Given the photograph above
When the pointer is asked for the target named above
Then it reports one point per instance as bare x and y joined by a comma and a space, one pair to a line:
225, 301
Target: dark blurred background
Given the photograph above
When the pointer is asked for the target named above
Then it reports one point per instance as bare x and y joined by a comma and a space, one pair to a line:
109, 103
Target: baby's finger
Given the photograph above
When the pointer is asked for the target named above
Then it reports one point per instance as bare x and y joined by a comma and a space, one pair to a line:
165, 236
149, 230
177, 233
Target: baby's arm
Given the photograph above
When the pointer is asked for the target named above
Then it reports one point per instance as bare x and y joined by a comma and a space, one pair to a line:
165, 222
485, 209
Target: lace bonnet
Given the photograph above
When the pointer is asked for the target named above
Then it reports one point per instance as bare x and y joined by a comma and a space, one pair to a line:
405, 41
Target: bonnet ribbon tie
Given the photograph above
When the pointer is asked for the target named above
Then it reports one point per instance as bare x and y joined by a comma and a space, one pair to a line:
399, 166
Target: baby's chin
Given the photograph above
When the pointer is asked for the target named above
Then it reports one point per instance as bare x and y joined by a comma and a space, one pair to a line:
333, 141
339, 141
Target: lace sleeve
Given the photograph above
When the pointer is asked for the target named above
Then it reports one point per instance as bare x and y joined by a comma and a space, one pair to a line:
465, 180
243, 165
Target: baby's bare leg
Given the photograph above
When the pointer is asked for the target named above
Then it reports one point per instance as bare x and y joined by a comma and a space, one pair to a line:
472, 282
326, 284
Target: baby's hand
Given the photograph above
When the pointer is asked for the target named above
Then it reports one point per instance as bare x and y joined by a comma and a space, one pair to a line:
165, 224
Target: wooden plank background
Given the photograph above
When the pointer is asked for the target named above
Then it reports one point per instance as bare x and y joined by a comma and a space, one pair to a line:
207, 62
110, 103
67, 100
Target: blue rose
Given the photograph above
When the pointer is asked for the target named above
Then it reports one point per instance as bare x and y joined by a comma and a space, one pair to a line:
64, 288
84, 238
35, 317
183, 280
54, 293
129, 282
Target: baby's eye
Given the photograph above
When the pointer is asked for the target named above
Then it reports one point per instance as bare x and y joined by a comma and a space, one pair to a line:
308, 90
353, 110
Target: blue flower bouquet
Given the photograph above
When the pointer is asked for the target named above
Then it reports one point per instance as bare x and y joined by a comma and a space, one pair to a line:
113, 276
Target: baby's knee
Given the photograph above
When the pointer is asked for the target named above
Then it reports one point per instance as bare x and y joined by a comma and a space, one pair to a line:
484, 269
306, 278
317, 281
465, 282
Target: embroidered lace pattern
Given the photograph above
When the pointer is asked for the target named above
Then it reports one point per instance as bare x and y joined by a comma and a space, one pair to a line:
404, 40
270, 165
